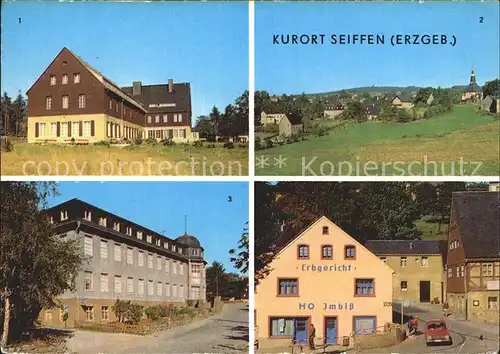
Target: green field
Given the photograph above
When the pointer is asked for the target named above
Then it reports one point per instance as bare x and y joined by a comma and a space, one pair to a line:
144, 160
462, 142
432, 230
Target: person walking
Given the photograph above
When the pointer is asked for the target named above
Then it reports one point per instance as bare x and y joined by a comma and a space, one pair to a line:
312, 335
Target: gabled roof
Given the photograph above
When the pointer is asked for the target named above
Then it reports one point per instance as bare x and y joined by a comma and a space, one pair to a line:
108, 84
477, 215
402, 98
294, 118
371, 109
405, 247
154, 94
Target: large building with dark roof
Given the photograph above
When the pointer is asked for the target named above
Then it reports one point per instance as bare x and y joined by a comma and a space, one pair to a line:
72, 102
123, 260
418, 268
473, 260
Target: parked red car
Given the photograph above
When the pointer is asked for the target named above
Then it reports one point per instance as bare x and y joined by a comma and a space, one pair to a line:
437, 332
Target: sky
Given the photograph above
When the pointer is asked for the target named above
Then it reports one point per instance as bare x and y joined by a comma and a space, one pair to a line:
320, 68
161, 206
205, 44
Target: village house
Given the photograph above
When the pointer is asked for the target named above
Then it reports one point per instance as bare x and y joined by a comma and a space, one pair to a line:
124, 260
372, 111
290, 125
473, 261
72, 102
322, 276
490, 104
271, 118
333, 110
473, 91
403, 102
418, 268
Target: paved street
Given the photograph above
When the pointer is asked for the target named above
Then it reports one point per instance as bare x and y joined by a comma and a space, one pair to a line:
465, 336
224, 333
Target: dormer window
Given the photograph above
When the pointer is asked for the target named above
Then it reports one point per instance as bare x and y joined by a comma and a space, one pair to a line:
158, 241
180, 250
116, 226
139, 235
64, 215
165, 245
102, 221
129, 231
51, 220
88, 215
173, 248
149, 238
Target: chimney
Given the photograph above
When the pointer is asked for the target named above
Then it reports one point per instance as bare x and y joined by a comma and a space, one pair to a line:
170, 85
136, 88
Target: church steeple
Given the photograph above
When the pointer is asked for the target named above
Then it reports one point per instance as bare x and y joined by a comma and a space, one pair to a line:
472, 78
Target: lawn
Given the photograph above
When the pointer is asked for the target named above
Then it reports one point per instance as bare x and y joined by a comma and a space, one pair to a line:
462, 142
431, 230
144, 160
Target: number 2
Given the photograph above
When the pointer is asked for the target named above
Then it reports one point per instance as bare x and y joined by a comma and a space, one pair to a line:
481, 19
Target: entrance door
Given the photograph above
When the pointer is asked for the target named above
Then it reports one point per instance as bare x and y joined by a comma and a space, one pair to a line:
331, 330
301, 330
425, 291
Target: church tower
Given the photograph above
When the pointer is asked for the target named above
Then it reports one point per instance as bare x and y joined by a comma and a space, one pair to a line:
472, 78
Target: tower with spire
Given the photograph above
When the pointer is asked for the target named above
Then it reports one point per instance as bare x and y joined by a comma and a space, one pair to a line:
473, 91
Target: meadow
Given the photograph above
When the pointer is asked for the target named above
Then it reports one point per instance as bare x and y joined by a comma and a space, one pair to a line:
134, 160
462, 142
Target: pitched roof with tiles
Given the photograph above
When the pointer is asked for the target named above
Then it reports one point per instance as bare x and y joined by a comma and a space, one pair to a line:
477, 215
294, 118
405, 247
178, 101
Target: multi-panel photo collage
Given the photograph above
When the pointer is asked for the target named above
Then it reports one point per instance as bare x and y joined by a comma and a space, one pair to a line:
228, 177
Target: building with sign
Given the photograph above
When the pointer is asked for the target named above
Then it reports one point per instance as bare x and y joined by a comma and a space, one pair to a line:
72, 102
322, 276
473, 261
124, 261
418, 265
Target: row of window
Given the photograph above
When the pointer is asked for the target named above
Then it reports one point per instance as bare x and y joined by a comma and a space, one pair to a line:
486, 270
117, 226
73, 129
114, 131
104, 254
82, 101
171, 290
454, 244
167, 133
131, 112
177, 118
326, 252
403, 261
64, 79
290, 287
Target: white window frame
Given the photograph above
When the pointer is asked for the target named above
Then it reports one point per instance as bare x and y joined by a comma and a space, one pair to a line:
48, 103
104, 281
130, 255
158, 262
87, 128
75, 129
82, 101
118, 284
150, 288
159, 288
130, 285
76, 78
140, 258
53, 129
89, 246
426, 263
104, 249
403, 262
64, 129
117, 252
64, 79
53, 80
150, 261
65, 102
88, 279
174, 267
140, 286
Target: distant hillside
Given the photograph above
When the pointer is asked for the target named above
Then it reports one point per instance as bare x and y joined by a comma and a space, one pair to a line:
376, 90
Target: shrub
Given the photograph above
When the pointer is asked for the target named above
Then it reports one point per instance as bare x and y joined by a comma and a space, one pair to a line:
268, 143
289, 140
211, 146
295, 138
150, 141
138, 141
191, 312
154, 312
168, 142
243, 145
103, 143
198, 143
228, 145
125, 310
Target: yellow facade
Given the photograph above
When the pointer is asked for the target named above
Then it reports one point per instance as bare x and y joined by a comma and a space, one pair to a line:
410, 270
101, 128
327, 289
161, 132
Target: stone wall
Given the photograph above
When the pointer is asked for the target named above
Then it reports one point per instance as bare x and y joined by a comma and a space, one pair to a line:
389, 336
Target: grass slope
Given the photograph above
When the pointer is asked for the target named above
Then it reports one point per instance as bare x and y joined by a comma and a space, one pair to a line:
31, 160
395, 148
